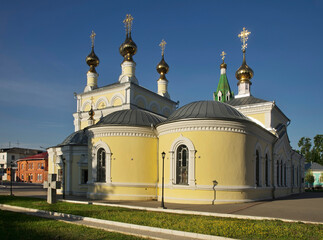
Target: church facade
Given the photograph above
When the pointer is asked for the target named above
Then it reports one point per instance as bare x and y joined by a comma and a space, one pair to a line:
128, 139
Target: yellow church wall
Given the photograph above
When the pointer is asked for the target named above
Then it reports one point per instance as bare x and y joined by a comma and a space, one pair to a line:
259, 116
151, 98
108, 95
133, 168
227, 157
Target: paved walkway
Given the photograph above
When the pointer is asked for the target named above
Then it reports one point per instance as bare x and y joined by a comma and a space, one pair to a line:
307, 206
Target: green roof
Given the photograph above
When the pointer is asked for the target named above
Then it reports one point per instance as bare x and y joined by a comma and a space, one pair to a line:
224, 87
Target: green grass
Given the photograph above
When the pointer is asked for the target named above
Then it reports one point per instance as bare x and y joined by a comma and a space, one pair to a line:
21, 226
227, 227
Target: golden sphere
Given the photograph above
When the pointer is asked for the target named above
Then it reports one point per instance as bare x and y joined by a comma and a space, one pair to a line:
92, 59
128, 49
244, 73
162, 67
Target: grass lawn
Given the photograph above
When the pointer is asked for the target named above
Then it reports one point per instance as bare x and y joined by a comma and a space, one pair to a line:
227, 227
21, 226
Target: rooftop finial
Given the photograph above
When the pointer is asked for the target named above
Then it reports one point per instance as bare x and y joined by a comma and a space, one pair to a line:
128, 23
244, 37
92, 36
223, 55
162, 46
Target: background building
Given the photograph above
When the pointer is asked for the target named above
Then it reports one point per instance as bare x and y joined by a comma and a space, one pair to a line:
9, 156
33, 169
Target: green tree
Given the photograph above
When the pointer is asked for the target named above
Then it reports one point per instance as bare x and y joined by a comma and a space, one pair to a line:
312, 154
305, 147
309, 178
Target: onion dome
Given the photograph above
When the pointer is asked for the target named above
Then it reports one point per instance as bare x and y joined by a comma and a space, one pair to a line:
207, 110
244, 73
131, 117
162, 68
92, 60
128, 48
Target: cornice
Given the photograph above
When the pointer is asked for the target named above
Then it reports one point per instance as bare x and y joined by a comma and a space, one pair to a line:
123, 131
255, 108
215, 125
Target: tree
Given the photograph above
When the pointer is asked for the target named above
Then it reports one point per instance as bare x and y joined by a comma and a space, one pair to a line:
312, 154
309, 178
305, 147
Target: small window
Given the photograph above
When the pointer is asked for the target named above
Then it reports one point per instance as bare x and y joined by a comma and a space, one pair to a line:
22, 176
22, 166
84, 176
31, 176
12, 157
38, 165
257, 169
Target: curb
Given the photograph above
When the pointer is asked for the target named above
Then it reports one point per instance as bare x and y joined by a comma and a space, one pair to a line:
118, 224
192, 212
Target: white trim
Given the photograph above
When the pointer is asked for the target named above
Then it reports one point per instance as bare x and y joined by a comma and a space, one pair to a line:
115, 97
85, 104
120, 195
141, 97
191, 161
101, 99
123, 131
154, 103
95, 148
125, 184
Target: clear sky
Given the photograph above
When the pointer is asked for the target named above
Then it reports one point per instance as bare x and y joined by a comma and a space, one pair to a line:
43, 45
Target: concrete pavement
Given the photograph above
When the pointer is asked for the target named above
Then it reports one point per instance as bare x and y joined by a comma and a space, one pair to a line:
307, 206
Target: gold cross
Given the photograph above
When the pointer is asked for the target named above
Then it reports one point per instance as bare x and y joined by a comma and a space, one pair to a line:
128, 23
223, 55
244, 37
162, 45
92, 36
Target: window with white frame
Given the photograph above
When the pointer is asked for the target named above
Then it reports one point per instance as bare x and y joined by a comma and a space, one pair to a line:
182, 162
182, 156
101, 156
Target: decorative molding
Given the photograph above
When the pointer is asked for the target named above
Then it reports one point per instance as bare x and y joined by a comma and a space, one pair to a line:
255, 108
122, 131
115, 97
125, 184
141, 97
152, 104
101, 99
92, 194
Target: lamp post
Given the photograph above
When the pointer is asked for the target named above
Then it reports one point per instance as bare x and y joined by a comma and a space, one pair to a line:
162, 203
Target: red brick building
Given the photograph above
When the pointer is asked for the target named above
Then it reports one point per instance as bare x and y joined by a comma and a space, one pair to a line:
33, 169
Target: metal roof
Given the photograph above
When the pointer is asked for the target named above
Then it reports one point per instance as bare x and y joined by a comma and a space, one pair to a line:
131, 117
76, 138
245, 101
313, 166
207, 110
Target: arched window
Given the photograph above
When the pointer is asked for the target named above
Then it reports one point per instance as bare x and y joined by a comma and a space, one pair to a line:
101, 165
182, 160
257, 169
266, 170
281, 173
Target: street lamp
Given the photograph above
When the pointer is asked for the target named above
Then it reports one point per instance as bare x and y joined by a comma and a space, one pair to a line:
162, 203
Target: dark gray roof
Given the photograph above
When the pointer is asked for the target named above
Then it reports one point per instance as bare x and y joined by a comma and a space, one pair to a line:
131, 117
245, 101
76, 138
313, 166
206, 110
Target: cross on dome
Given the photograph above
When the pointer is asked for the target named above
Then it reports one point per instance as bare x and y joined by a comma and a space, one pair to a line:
223, 55
162, 46
244, 37
92, 36
128, 23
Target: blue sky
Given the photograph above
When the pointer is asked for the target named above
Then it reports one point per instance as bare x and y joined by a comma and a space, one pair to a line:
43, 45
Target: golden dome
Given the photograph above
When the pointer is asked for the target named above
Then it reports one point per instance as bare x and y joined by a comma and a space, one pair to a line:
223, 65
162, 68
128, 48
92, 60
244, 73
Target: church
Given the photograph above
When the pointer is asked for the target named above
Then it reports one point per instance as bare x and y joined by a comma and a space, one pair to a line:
131, 143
